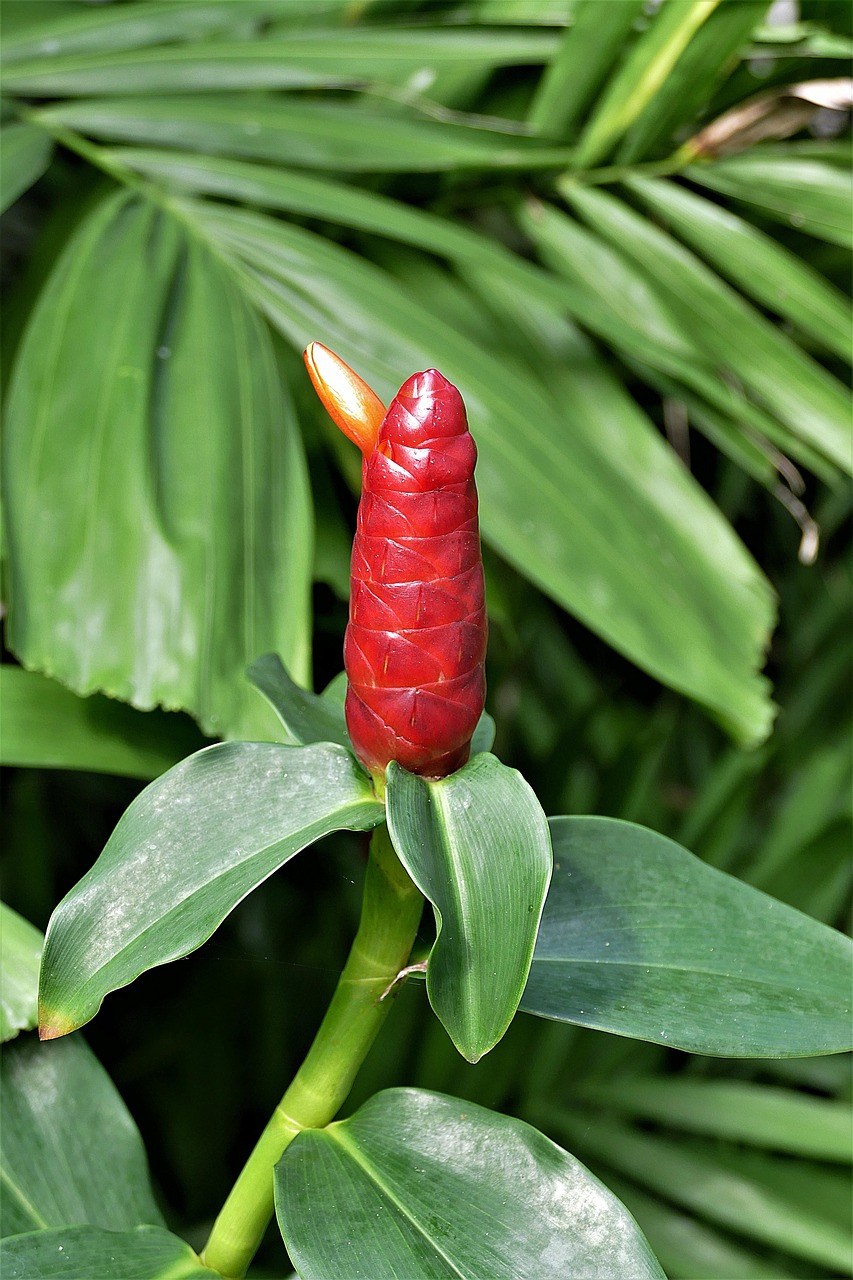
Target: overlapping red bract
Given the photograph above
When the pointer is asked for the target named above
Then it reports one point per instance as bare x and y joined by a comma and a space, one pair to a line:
416, 640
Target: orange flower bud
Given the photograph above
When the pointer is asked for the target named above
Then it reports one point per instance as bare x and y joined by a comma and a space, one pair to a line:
349, 401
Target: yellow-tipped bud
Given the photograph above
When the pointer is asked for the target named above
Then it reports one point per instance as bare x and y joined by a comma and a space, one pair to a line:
348, 400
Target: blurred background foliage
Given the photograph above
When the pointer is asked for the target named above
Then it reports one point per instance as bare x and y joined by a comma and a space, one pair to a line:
623, 229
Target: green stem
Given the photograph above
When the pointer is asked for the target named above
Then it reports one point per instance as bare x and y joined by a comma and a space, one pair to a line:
391, 909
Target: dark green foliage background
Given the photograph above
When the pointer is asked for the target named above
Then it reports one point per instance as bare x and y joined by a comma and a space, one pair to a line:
200, 1051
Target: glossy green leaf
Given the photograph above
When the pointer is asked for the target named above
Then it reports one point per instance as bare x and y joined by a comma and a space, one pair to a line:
304, 58
586, 54
420, 1185
641, 76
186, 852
579, 525
640, 938
307, 717
25, 152
69, 1150
46, 726
804, 396
476, 844
87, 1253
484, 735
147, 417
311, 134
760, 1115
20, 954
797, 1206
688, 88
771, 274
808, 194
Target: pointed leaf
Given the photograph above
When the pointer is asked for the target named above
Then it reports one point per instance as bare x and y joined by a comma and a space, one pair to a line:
420, 1185
147, 417
69, 1150
186, 852
640, 938
20, 955
476, 844
80, 1253
306, 717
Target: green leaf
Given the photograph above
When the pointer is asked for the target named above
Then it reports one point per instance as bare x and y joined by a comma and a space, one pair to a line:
304, 58
306, 717
808, 194
420, 1185
105, 30
754, 262
186, 852
642, 74
82, 1253
792, 1205
615, 298
69, 1150
798, 391
691, 1249
558, 481
313, 134
760, 1115
689, 87
640, 938
20, 954
146, 416
585, 55
476, 844
46, 726
25, 152
484, 735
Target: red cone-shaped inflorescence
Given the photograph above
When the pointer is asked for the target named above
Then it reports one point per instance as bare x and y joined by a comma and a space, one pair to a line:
416, 640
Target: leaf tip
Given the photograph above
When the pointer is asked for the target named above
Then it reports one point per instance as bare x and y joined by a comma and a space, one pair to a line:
52, 1025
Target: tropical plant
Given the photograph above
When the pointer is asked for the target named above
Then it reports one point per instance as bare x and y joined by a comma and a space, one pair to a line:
597, 221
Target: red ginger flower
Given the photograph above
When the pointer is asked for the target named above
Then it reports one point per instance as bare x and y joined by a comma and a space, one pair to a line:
416, 640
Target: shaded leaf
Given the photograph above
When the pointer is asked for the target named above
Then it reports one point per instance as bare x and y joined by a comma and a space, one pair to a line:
590, 46
754, 261
314, 134
25, 152
306, 717
179, 540
811, 403
640, 938
476, 844
81, 1253
69, 1150
420, 1185
20, 954
186, 852
46, 726
304, 58
760, 1115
